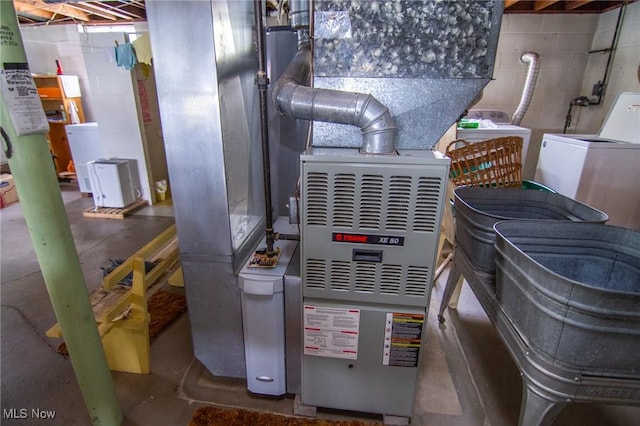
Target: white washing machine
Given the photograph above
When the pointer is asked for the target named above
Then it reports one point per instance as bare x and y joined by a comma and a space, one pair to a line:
502, 128
600, 170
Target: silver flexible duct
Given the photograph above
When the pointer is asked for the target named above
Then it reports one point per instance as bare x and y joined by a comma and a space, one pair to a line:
293, 98
532, 59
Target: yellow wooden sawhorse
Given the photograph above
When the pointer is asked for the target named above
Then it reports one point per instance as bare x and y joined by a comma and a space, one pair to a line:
121, 312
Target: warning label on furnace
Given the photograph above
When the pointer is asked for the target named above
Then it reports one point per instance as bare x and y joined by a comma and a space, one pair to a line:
331, 332
402, 339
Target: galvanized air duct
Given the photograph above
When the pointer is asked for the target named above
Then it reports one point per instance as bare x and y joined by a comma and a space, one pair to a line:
294, 99
532, 59
299, 13
426, 61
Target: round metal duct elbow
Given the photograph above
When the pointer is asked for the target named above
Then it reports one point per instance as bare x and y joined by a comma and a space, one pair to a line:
377, 127
293, 98
532, 59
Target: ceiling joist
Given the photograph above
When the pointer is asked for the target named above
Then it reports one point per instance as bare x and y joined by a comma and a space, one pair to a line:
61, 9
45, 12
562, 6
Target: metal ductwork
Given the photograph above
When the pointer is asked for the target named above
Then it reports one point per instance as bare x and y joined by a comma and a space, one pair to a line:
532, 59
402, 71
425, 60
296, 100
299, 13
293, 96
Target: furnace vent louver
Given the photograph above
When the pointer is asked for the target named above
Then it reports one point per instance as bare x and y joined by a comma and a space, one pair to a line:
365, 277
396, 281
399, 199
344, 190
371, 201
315, 273
426, 210
365, 202
417, 281
340, 275
317, 199
391, 279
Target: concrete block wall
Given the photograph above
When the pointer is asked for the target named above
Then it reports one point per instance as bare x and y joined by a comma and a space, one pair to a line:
107, 90
45, 44
624, 75
562, 41
567, 69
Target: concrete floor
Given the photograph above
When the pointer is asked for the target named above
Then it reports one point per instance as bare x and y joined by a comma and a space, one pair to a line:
468, 377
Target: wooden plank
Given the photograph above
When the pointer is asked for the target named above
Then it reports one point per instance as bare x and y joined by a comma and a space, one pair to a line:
114, 213
158, 242
31, 10
161, 268
509, 3
543, 4
114, 298
570, 5
111, 301
54, 332
151, 251
57, 9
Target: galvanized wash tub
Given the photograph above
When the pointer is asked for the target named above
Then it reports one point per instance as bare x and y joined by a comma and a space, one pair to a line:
572, 291
478, 209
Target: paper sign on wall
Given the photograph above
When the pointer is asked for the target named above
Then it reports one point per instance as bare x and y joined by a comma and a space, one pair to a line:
331, 332
22, 100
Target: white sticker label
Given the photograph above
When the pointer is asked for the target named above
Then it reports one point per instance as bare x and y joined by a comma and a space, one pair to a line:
22, 102
331, 332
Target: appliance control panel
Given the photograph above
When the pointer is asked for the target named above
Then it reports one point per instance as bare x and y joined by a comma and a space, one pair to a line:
489, 114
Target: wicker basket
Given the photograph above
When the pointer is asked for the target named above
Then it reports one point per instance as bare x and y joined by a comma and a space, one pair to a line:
494, 162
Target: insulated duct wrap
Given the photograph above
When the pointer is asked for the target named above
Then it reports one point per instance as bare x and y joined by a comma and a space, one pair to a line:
425, 60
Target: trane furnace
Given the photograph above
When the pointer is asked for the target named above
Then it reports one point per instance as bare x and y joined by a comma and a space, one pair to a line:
370, 228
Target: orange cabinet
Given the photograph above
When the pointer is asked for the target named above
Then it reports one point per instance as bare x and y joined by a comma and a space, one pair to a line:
62, 102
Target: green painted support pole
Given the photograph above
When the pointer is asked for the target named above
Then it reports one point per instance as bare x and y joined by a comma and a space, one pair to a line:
39, 192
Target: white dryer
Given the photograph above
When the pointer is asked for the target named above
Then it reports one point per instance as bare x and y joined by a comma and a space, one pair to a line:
600, 170
502, 128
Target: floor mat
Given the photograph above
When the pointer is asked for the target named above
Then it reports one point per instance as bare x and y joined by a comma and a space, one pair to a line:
212, 416
164, 307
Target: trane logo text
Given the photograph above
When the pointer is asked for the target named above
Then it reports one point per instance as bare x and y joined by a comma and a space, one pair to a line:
353, 238
385, 240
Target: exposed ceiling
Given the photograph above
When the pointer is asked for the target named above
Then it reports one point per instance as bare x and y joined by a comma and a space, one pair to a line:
561, 6
45, 12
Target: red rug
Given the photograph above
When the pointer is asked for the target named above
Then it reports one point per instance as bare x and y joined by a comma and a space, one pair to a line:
213, 416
